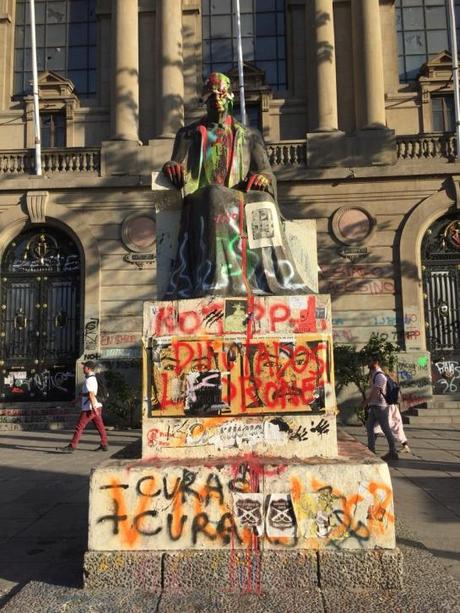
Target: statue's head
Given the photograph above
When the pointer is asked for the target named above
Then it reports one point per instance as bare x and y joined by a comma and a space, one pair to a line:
217, 93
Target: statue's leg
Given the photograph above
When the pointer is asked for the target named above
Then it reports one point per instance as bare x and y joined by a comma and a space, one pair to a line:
277, 271
209, 251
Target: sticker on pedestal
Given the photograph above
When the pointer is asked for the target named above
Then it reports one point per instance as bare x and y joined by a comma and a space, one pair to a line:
248, 509
280, 519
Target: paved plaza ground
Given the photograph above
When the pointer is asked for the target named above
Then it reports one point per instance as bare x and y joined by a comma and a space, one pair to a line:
43, 532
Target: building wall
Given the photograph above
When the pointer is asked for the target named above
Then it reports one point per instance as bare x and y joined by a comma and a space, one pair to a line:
351, 168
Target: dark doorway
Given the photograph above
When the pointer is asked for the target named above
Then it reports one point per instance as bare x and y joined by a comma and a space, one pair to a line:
40, 316
441, 280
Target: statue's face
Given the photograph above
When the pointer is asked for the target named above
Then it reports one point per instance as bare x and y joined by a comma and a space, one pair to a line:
217, 93
217, 101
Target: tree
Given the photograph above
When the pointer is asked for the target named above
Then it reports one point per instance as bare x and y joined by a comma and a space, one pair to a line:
351, 365
124, 398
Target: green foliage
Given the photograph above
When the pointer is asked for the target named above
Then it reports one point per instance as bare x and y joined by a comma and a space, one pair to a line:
351, 364
123, 398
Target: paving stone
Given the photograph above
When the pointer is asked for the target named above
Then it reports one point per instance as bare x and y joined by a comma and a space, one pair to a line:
286, 601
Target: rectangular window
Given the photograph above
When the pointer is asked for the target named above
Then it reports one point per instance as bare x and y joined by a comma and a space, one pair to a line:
422, 28
66, 43
263, 37
53, 129
443, 115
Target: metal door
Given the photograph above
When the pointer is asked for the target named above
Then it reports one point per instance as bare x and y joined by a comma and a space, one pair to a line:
441, 278
40, 316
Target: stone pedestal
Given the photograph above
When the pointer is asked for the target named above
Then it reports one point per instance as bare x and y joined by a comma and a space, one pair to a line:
241, 471
243, 524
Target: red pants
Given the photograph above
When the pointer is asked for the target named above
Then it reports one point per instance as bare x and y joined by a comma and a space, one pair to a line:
85, 418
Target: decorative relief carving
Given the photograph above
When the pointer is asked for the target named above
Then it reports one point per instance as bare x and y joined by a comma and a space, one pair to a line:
352, 225
36, 206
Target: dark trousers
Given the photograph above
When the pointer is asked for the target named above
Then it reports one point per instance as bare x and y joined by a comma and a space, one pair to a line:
85, 418
379, 415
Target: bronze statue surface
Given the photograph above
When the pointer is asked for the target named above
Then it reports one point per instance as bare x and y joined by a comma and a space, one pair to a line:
231, 240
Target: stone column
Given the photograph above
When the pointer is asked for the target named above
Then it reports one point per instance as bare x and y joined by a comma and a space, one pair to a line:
126, 70
327, 119
369, 63
171, 68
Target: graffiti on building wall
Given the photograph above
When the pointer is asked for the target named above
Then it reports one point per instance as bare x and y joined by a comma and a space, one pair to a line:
91, 335
229, 506
357, 271
373, 287
414, 377
116, 340
446, 375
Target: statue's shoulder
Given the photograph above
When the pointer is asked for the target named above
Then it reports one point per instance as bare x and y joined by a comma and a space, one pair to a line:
190, 129
251, 134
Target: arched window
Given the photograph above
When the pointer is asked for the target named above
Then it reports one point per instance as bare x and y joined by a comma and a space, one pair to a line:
422, 33
66, 43
263, 34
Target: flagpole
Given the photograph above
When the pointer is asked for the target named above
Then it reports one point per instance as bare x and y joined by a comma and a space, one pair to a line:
38, 147
240, 63
453, 46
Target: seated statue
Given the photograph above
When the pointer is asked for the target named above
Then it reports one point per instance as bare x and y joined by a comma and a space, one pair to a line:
231, 239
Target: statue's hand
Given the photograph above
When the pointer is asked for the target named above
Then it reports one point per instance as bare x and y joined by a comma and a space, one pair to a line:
259, 182
175, 173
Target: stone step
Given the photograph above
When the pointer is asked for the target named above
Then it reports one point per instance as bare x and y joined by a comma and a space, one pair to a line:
432, 420
38, 416
446, 403
435, 411
38, 425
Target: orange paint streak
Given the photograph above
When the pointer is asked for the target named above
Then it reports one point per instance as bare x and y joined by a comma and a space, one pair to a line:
296, 489
129, 534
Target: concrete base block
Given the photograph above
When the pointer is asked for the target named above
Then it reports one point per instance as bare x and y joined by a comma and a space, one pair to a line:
381, 569
239, 570
140, 571
229, 504
217, 572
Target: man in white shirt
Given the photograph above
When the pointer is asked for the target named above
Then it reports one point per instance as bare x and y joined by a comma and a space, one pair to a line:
378, 409
91, 409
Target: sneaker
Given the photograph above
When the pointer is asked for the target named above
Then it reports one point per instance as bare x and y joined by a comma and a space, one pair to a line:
68, 449
391, 455
405, 448
102, 448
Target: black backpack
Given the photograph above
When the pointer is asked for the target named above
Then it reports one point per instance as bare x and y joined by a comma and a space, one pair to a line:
392, 393
102, 390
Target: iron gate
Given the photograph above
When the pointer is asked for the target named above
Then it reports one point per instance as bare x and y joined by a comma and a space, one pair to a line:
441, 278
40, 316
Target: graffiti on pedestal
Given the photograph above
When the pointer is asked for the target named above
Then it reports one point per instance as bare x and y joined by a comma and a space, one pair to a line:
219, 356
228, 506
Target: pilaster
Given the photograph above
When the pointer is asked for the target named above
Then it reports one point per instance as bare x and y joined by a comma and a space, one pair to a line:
126, 70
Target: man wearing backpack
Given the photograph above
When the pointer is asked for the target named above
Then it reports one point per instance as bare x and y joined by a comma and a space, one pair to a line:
91, 409
378, 409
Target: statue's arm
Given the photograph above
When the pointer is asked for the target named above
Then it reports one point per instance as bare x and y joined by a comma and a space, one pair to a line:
174, 168
261, 176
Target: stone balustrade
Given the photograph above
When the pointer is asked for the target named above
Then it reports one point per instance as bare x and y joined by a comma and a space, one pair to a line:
57, 161
82, 160
287, 153
426, 146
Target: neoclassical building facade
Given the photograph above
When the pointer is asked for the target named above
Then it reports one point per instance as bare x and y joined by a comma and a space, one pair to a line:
355, 102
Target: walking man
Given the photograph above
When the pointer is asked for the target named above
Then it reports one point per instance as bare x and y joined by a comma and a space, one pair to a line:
91, 409
378, 409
